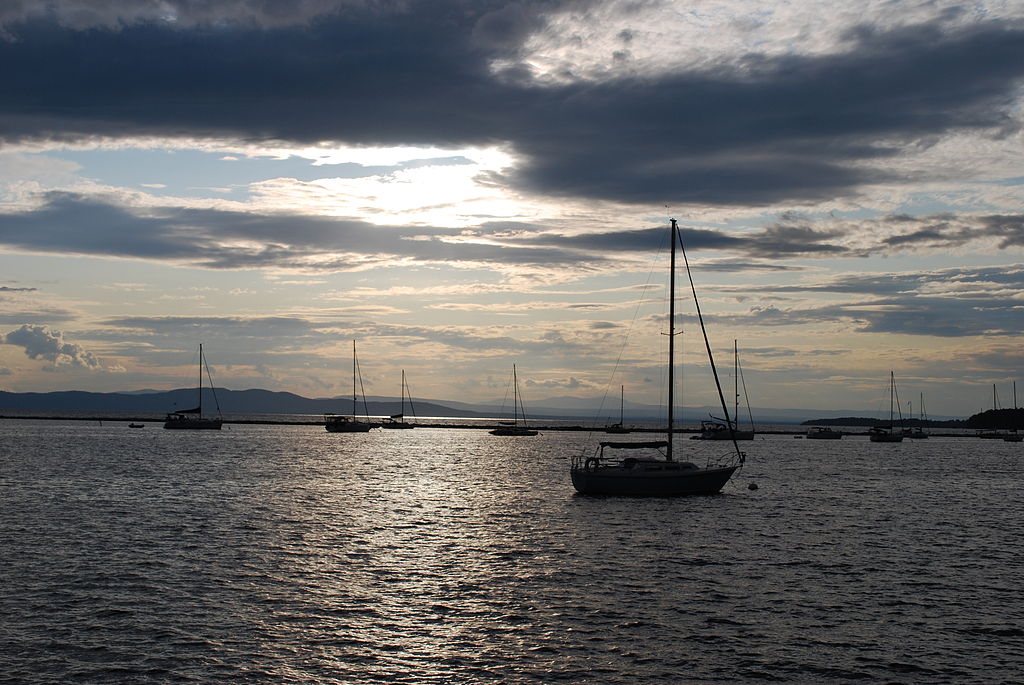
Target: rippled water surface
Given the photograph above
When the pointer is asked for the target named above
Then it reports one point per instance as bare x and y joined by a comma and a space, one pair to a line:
279, 554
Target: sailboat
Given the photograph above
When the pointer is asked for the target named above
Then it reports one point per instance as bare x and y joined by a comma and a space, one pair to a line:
656, 471
917, 432
397, 421
618, 427
517, 408
1007, 435
888, 433
340, 423
1013, 435
193, 419
719, 429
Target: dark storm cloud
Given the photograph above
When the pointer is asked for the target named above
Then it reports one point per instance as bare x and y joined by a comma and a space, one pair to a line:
753, 131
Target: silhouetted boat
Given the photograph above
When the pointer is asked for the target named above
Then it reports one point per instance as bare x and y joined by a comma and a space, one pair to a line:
397, 421
917, 432
1006, 435
823, 433
618, 427
340, 423
888, 433
719, 429
514, 429
193, 419
656, 472
136, 425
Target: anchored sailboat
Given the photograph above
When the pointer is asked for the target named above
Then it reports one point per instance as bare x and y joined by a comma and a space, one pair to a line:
729, 430
514, 428
1006, 434
659, 473
618, 427
340, 423
889, 433
193, 419
397, 421
1013, 435
917, 432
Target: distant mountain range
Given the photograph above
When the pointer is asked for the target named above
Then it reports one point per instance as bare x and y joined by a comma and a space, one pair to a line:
269, 402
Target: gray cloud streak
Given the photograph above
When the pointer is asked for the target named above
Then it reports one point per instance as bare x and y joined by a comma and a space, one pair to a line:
982, 301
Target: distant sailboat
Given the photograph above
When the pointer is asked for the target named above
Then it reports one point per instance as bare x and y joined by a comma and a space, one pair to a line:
514, 428
397, 421
729, 430
1013, 435
917, 432
193, 419
889, 433
340, 423
658, 474
618, 427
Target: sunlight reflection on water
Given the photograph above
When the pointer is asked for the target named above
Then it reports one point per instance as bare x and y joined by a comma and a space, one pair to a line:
288, 554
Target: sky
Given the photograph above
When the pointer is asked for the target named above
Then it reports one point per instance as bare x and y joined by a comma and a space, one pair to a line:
461, 186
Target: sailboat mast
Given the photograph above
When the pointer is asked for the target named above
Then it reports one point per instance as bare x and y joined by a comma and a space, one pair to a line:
736, 384
200, 380
403, 393
671, 337
892, 392
354, 394
622, 401
515, 397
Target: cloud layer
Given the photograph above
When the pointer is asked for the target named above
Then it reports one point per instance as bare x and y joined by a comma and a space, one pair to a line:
751, 131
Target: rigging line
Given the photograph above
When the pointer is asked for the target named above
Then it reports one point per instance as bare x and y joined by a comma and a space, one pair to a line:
409, 393
210, 378
362, 390
896, 392
522, 405
707, 345
508, 384
625, 341
746, 398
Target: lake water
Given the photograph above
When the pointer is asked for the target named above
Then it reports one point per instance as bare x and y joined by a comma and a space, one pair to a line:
285, 554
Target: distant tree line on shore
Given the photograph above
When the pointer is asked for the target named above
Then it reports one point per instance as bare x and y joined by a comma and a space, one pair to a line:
1001, 419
